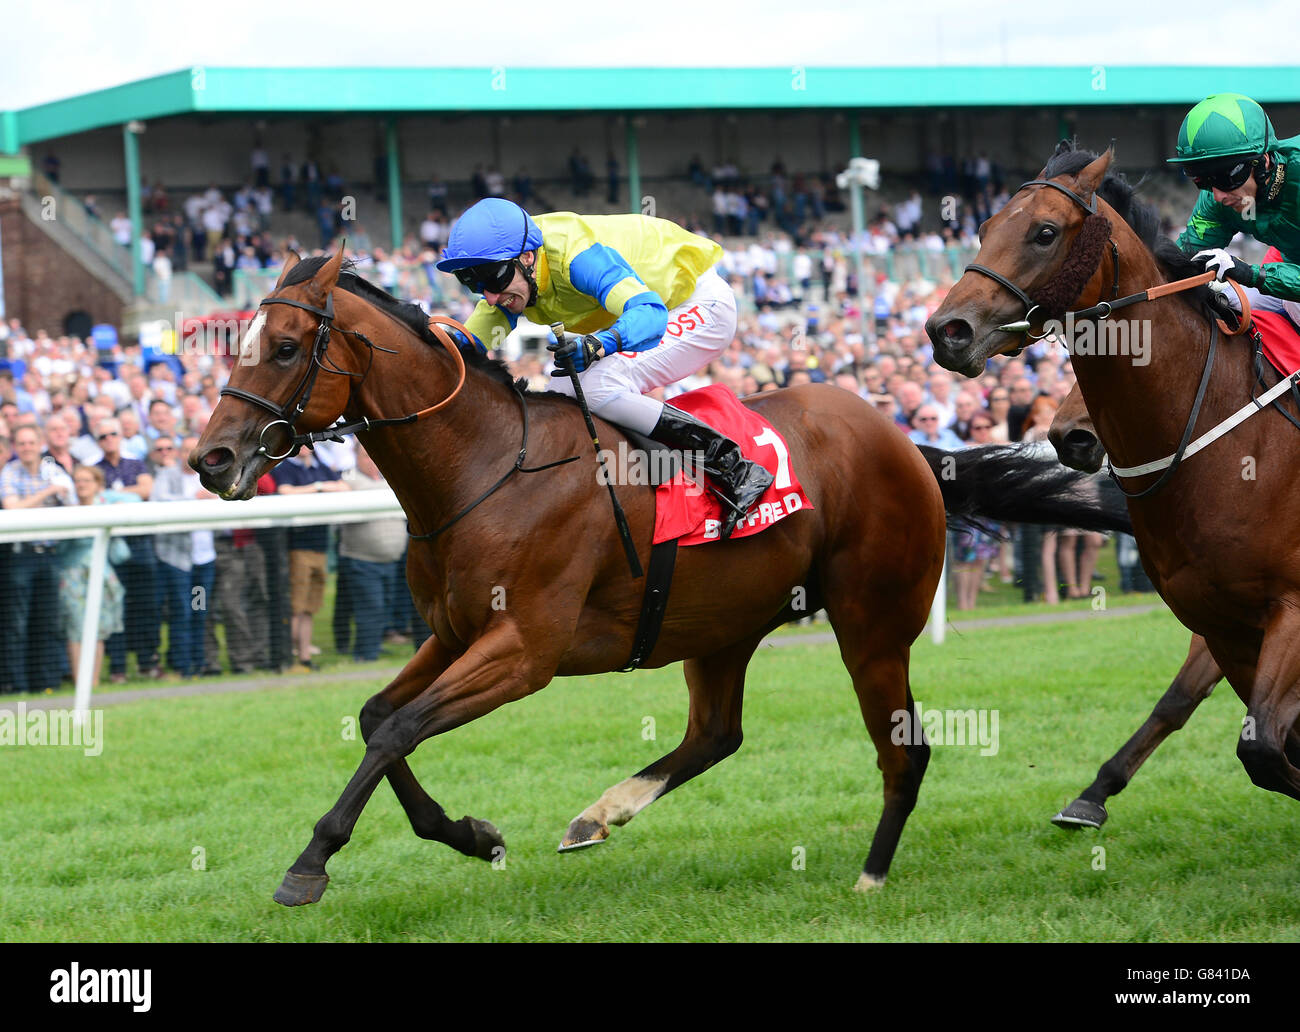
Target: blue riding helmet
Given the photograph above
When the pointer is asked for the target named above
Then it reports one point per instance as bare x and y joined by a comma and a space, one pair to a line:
493, 230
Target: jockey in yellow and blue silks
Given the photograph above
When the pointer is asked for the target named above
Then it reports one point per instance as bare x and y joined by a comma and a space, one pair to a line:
643, 295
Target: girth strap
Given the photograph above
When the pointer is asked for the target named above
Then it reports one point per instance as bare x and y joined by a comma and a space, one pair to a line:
658, 581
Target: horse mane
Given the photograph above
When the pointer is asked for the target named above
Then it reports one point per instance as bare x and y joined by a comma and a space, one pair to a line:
1069, 159
409, 315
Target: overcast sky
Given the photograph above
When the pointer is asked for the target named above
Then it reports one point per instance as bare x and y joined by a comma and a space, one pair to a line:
61, 48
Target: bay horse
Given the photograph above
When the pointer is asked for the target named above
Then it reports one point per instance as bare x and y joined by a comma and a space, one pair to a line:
538, 534
1213, 532
1075, 439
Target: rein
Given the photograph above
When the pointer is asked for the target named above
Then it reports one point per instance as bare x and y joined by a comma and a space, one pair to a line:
1088, 245
1080, 265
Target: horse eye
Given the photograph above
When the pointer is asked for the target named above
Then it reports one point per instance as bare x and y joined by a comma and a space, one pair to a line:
286, 351
1045, 235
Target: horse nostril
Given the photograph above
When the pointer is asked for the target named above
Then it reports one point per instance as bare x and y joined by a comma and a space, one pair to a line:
216, 459
958, 331
1080, 439
955, 333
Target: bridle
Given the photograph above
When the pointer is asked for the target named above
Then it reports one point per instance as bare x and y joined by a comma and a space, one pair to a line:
287, 414
291, 411
1084, 271
1071, 289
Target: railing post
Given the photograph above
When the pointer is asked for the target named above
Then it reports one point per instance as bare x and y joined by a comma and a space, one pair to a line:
85, 672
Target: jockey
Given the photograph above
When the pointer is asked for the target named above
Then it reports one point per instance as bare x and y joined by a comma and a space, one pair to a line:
1250, 183
646, 299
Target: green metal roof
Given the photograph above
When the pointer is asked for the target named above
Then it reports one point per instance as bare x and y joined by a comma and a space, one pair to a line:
480, 90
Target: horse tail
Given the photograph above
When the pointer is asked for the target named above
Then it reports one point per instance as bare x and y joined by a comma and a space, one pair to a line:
1024, 483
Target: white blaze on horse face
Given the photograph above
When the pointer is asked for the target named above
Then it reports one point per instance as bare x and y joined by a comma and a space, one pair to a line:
251, 348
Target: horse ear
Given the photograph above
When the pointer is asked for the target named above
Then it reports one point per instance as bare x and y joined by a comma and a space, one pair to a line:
1092, 175
289, 262
328, 275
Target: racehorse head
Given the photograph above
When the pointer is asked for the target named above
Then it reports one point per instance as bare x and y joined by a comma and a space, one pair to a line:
1074, 437
1037, 255
276, 391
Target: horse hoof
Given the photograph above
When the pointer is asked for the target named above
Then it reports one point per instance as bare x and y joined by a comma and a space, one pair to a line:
583, 832
488, 842
1081, 814
299, 889
868, 883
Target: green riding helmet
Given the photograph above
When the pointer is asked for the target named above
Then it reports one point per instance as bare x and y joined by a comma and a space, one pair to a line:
1223, 126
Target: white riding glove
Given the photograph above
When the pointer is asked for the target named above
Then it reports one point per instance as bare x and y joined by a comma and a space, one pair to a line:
1220, 262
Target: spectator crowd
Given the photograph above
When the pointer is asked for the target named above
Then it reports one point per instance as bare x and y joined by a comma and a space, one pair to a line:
79, 429
80, 425
234, 230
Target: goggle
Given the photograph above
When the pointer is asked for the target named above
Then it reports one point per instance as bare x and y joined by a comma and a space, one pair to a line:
1228, 179
492, 277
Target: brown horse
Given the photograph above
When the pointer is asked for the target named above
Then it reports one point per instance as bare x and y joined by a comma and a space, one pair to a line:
1075, 440
522, 577
1214, 533
1073, 435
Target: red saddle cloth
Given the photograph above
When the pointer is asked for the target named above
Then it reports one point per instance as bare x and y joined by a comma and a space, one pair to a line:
689, 512
1281, 341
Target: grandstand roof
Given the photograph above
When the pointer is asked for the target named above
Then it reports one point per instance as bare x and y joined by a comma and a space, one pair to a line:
297, 91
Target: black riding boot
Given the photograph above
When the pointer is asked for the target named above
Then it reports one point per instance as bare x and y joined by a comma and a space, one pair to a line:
741, 482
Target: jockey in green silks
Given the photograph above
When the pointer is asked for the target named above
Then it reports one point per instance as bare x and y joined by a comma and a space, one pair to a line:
1250, 183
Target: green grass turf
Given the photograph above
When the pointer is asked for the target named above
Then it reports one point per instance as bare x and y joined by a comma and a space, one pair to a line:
183, 827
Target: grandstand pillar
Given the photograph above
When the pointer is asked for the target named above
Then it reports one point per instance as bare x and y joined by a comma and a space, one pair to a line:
131, 154
633, 168
859, 228
8, 132
394, 184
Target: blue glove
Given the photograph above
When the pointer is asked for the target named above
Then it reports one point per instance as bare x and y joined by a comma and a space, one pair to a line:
1220, 262
582, 351
463, 339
